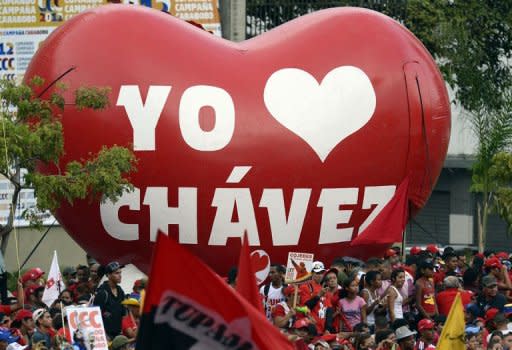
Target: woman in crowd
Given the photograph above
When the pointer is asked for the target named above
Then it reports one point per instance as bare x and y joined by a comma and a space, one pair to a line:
425, 290
395, 299
373, 301
351, 306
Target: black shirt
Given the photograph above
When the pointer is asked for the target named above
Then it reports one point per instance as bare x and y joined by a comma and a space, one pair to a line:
111, 308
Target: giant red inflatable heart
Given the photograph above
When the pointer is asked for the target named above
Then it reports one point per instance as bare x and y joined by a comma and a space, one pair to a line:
298, 136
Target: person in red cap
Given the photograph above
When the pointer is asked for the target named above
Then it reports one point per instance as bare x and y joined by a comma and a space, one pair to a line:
26, 326
427, 335
32, 276
494, 267
393, 257
432, 249
415, 250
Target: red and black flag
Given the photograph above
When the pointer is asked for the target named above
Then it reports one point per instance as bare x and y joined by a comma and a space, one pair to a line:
188, 306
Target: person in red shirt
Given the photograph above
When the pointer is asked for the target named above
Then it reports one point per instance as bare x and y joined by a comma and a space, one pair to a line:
283, 313
313, 295
425, 291
427, 335
445, 298
130, 322
333, 293
494, 267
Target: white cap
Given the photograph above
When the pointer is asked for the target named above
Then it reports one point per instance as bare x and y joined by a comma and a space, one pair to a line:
16, 346
318, 266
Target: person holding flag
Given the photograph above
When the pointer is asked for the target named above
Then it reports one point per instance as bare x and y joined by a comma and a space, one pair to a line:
181, 316
452, 336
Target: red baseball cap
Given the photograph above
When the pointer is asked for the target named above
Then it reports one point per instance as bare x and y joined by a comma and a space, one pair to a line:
502, 256
389, 253
425, 324
490, 314
415, 250
32, 275
493, 262
23, 314
432, 248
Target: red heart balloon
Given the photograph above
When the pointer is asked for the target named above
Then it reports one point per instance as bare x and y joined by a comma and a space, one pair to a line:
298, 136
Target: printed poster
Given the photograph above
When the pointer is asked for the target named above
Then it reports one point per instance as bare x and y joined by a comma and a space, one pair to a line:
299, 266
86, 323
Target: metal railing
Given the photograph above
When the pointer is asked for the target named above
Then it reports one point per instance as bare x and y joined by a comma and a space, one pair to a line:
263, 15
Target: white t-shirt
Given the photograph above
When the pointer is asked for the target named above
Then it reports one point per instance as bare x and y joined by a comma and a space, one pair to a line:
274, 297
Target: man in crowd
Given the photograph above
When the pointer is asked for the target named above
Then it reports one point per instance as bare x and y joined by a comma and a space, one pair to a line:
405, 338
109, 297
43, 322
272, 293
490, 298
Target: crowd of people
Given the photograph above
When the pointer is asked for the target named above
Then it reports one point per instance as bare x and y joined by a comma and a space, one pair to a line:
382, 303
29, 323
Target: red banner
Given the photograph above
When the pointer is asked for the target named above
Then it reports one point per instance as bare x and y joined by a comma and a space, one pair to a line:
389, 225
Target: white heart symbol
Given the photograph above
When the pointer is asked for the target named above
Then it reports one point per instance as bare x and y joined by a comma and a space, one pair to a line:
321, 114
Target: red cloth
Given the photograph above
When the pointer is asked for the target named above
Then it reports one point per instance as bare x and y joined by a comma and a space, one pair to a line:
388, 226
445, 299
197, 308
128, 323
246, 280
61, 331
6, 309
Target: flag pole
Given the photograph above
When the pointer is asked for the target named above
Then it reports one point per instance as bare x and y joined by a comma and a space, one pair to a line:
403, 244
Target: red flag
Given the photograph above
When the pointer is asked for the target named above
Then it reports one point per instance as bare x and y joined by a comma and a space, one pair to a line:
389, 225
188, 306
246, 280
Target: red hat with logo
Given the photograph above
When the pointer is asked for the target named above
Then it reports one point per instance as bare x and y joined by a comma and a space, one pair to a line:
415, 250
32, 275
432, 248
23, 314
493, 262
389, 253
425, 324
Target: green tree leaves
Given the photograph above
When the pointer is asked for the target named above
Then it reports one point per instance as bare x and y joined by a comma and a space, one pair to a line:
31, 134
